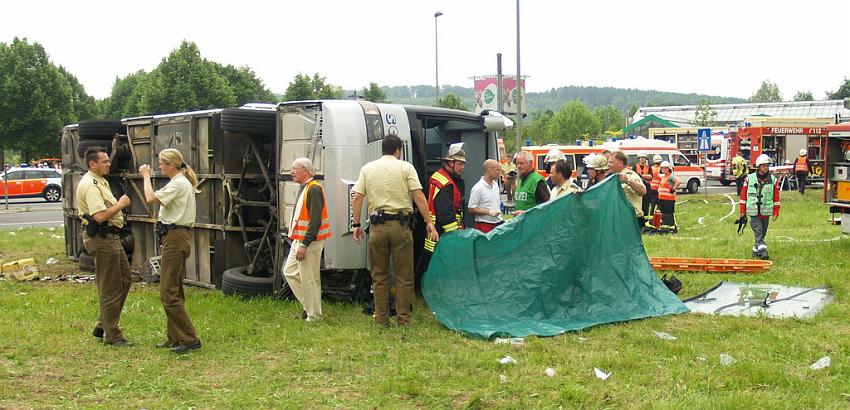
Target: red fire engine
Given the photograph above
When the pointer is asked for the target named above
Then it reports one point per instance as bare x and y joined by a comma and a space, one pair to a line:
783, 144
836, 187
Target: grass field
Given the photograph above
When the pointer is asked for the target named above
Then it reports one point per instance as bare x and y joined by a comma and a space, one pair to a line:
256, 355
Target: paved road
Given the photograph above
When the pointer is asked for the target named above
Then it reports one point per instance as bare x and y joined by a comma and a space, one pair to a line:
30, 212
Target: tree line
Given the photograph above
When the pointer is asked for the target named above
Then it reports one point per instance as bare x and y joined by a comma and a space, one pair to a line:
37, 97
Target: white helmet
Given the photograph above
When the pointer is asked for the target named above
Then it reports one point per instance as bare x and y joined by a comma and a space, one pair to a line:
763, 159
641, 154
596, 161
665, 164
803, 152
555, 155
656, 158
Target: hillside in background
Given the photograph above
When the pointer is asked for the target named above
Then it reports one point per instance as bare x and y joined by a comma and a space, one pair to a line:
555, 98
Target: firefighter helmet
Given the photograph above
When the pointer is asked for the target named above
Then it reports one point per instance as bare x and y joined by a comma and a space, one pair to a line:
665, 164
763, 159
642, 154
555, 154
656, 158
803, 152
596, 162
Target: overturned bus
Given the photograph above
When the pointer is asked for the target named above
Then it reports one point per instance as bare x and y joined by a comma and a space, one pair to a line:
245, 193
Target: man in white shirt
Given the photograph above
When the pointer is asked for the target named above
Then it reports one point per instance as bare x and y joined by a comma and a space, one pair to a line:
631, 182
484, 200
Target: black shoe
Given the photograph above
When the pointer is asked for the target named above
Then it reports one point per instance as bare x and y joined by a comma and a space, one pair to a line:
97, 332
186, 348
164, 345
119, 342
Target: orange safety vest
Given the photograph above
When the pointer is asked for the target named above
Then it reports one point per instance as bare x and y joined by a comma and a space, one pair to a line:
643, 170
656, 178
801, 165
665, 190
299, 225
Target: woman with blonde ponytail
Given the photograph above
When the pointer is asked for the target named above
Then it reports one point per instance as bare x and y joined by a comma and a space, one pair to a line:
176, 218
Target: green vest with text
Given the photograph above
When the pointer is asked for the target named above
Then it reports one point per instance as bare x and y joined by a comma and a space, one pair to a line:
524, 195
753, 192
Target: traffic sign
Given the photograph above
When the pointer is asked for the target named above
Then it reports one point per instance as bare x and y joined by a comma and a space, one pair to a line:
704, 139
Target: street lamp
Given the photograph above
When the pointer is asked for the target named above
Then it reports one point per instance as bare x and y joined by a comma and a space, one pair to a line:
436, 58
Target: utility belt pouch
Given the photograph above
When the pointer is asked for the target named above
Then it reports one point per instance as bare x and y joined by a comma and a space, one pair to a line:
161, 230
92, 227
378, 218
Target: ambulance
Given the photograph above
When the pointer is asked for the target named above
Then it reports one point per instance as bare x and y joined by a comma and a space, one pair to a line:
690, 174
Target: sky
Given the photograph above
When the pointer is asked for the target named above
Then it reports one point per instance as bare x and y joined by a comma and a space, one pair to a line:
718, 47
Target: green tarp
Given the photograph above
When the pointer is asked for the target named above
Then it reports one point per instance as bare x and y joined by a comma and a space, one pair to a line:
564, 265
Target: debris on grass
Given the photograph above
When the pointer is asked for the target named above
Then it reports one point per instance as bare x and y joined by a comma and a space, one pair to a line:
601, 375
69, 278
51, 229
51, 261
56, 237
822, 363
550, 372
664, 336
503, 379
507, 360
726, 360
513, 341
13, 234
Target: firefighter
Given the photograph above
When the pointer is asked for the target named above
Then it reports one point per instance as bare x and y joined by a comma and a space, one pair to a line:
739, 171
802, 167
445, 194
654, 182
759, 200
667, 198
597, 168
644, 170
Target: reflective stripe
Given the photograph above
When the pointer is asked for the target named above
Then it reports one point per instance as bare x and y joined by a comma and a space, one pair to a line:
800, 165
450, 227
300, 225
665, 189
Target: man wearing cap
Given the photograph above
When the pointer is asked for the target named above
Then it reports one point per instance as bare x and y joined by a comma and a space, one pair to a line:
445, 194
802, 166
644, 171
531, 188
484, 200
630, 181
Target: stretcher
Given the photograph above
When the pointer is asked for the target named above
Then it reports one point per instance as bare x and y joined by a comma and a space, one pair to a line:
709, 264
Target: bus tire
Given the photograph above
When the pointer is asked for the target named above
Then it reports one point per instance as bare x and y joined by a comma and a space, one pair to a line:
100, 129
235, 282
251, 122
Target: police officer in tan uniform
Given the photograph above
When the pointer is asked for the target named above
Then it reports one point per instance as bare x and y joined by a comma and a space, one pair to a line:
176, 218
97, 205
388, 183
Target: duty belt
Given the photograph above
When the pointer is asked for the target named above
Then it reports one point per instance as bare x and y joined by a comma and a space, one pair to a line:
381, 217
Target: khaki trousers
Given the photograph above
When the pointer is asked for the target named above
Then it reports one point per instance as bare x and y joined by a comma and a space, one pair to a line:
112, 275
305, 277
176, 247
386, 239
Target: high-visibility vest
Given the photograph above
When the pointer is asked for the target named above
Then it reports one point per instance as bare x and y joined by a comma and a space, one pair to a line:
801, 165
759, 196
643, 170
656, 178
438, 181
524, 195
665, 189
299, 225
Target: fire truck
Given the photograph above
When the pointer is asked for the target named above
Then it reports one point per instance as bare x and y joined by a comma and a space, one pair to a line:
836, 187
781, 143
